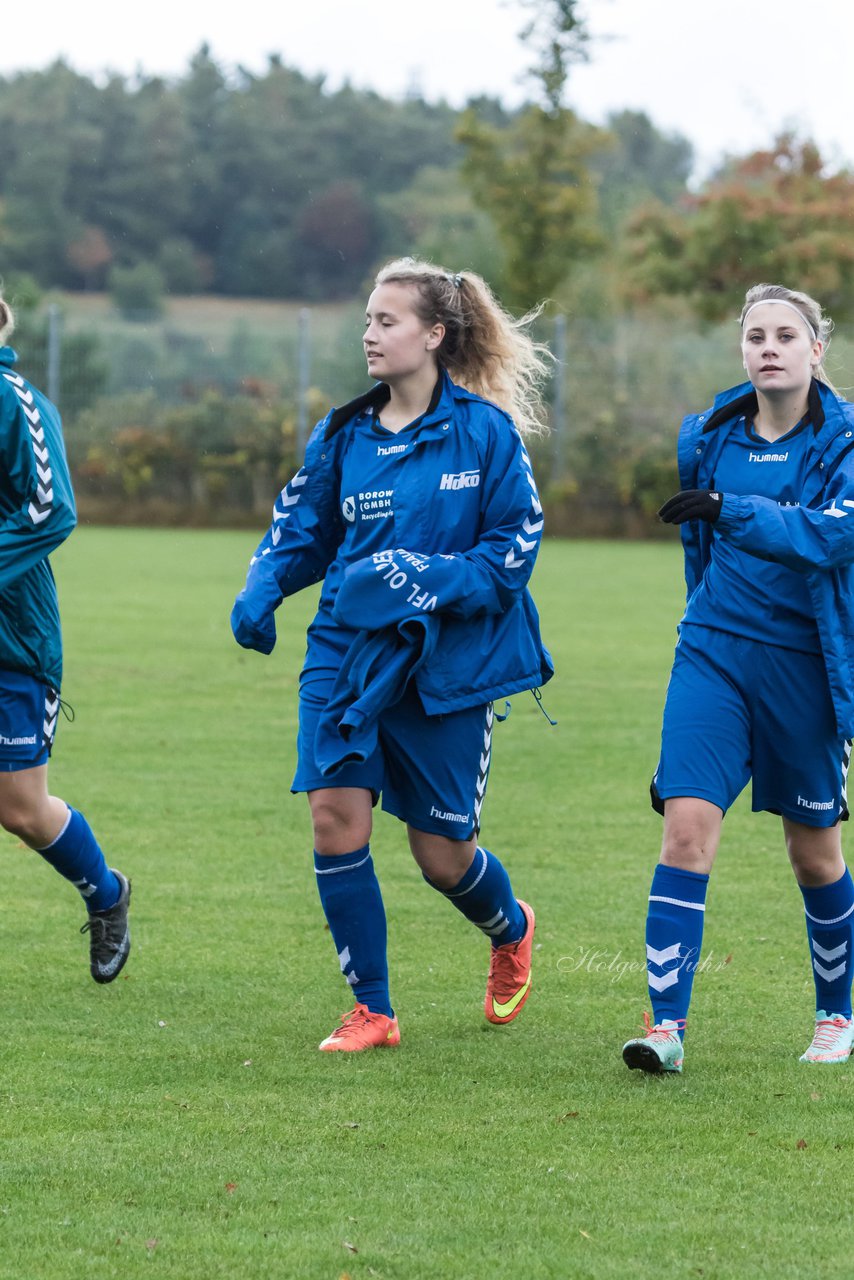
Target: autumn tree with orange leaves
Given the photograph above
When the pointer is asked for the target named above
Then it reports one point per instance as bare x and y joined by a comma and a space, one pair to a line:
778, 215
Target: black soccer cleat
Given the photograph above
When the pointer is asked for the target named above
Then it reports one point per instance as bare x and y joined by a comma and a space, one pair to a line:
109, 935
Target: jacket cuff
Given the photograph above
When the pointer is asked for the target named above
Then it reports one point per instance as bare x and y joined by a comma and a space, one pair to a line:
731, 512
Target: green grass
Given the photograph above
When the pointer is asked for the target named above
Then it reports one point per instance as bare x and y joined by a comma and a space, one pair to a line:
181, 1122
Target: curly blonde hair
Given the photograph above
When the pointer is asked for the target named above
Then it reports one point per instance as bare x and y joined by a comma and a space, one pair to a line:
485, 349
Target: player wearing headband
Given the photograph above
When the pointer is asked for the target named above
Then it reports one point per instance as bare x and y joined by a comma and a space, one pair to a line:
762, 685
417, 507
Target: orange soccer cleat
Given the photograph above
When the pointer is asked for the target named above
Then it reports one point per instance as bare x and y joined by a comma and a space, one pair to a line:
509, 983
361, 1029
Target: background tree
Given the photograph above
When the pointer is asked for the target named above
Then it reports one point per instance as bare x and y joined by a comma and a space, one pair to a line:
230, 183
436, 218
48, 125
90, 255
640, 164
778, 215
532, 176
137, 291
270, 185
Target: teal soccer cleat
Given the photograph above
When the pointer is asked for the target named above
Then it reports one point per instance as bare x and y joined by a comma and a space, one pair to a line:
834, 1034
658, 1051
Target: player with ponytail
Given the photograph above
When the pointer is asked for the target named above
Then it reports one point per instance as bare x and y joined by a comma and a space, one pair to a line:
418, 509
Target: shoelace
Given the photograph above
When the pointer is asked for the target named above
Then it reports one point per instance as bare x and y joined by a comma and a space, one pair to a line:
661, 1033
825, 1032
100, 931
354, 1018
503, 962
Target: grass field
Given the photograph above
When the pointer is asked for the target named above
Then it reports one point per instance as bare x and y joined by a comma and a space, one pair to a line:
181, 1122
209, 316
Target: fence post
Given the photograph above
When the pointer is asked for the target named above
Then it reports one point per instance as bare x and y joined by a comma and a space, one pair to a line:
54, 349
558, 396
303, 377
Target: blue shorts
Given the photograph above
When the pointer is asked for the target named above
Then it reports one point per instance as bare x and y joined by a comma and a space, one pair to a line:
737, 709
431, 771
28, 711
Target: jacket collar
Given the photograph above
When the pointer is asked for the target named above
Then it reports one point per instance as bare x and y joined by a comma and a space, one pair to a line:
440, 407
742, 400
8, 356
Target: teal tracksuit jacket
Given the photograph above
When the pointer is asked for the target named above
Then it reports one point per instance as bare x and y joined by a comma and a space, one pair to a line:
36, 514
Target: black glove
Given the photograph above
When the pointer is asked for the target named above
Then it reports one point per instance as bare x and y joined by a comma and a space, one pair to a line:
692, 504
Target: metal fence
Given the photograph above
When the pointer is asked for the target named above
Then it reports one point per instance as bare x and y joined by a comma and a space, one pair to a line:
213, 401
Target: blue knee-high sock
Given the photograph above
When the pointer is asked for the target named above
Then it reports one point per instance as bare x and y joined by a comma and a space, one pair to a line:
353, 905
674, 935
76, 854
485, 897
830, 929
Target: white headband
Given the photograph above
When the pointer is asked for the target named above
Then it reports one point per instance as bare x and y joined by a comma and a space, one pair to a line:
779, 302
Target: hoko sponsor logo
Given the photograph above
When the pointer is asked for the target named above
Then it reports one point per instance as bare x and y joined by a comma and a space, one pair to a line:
460, 480
815, 804
768, 457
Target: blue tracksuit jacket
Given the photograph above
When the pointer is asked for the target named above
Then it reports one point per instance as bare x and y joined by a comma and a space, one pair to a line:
36, 514
443, 519
815, 538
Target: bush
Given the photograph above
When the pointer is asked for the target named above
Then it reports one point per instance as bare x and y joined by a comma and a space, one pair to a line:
137, 292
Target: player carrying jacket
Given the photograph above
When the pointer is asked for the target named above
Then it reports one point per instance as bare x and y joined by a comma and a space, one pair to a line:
36, 515
418, 508
763, 679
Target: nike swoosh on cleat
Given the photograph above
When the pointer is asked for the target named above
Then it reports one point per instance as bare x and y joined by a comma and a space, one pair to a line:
503, 1010
112, 965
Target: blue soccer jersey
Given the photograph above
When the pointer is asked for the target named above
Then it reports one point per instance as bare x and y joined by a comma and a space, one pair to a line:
739, 593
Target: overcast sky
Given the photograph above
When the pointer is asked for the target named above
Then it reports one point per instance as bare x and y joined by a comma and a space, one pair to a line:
727, 74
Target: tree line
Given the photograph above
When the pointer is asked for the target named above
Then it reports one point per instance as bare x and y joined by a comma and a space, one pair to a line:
271, 185
268, 184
